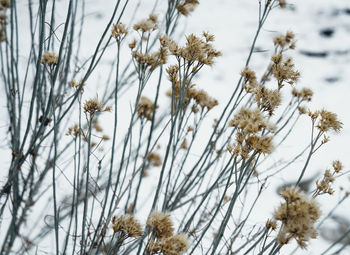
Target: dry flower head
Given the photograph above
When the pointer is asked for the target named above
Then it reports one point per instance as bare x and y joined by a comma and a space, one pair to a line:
74, 131
49, 58
92, 106
250, 81
249, 124
77, 85
160, 224
270, 224
298, 215
174, 245
282, 3
5, 3
305, 94
147, 25
128, 226
284, 41
267, 99
145, 108
187, 6
324, 186
196, 52
328, 121
200, 97
119, 31
154, 159
283, 70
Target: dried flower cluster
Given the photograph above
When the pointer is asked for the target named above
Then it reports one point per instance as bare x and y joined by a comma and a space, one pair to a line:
163, 240
249, 124
129, 227
151, 61
188, 93
267, 99
282, 3
305, 94
328, 121
184, 144
298, 215
49, 58
161, 225
4, 5
283, 70
250, 121
154, 159
119, 31
77, 85
145, 60
147, 25
187, 6
3, 23
196, 52
174, 245
324, 186
285, 41
145, 108
250, 82
92, 106
270, 224
74, 131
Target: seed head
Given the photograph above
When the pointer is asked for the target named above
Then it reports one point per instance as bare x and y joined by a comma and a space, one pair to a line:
119, 31
282, 3
49, 58
174, 245
146, 25
305, 94
145, 108
129, 226
329, 121
268, 100
270, 224
5, 4
298, 215
160, 224
187, 6
92, 106
154, 159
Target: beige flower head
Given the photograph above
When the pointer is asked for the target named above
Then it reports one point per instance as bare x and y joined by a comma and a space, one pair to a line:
250, 121
145, 108
92, 106
305, 94
282, 3
129, 226
298, 215
187, 6
328, 121
160, 224
174, 245
146, 25
119, 31
154, 159
49, 58
5, 4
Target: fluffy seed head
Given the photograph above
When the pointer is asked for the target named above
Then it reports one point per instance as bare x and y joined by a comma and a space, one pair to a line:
49, 58
298, 215
160, 224
129, 226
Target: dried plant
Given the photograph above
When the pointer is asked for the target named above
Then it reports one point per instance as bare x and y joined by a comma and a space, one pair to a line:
101, 164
